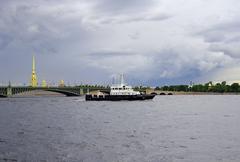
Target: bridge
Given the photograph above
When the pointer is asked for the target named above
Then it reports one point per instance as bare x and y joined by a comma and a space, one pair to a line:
161, 92
67, 91
10, 91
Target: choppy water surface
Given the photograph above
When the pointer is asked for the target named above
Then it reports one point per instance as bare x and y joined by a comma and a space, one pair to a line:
166, 129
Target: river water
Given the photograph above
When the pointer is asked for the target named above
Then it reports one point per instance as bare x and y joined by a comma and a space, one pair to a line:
165, 129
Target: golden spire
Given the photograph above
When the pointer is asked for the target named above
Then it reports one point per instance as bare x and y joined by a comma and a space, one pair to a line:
33, 64
34, 76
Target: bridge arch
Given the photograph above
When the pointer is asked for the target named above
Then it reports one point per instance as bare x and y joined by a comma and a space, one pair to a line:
67, 93
154, 93
162, 93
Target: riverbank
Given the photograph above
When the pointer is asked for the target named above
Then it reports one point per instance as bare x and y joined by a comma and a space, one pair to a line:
204, 93
189, 93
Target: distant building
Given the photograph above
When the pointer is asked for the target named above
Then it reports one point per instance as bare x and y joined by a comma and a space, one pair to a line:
44, 84
61, 83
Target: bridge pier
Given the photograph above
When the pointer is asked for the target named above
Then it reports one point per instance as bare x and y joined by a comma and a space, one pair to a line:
81, 91
9, 91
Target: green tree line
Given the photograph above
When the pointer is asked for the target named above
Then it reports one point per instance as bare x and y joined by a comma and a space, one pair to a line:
207, 87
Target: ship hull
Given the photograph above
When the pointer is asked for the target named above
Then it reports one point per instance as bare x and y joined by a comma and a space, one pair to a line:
90, 97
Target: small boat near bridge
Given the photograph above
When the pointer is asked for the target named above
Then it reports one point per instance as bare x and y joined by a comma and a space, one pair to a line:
119, 92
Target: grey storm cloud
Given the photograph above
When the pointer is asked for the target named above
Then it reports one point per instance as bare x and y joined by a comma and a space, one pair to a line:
223, 32
134, 18
224, 37
113, 6
5, 40
151, 41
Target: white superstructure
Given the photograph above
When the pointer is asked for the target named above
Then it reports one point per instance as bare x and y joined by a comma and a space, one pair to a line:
122, 89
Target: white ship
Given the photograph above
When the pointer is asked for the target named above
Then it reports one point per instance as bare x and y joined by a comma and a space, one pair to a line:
119, 91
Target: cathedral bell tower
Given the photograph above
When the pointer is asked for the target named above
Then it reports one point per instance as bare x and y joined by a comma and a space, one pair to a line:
34, 82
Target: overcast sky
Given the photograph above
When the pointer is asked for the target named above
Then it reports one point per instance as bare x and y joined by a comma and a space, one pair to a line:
153, 42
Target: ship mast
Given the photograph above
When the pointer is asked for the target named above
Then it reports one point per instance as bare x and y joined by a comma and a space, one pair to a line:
121, 79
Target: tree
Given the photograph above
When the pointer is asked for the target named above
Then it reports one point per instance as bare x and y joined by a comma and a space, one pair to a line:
219, 88
157, 88
199, 88
235, 87
224, 83
165, 88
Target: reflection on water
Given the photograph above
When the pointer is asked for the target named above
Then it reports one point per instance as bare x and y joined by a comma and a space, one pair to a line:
166, 129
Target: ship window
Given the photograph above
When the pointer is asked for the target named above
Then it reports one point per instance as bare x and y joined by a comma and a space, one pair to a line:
120, 88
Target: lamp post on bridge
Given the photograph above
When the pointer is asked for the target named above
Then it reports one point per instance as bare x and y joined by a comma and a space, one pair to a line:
9, 89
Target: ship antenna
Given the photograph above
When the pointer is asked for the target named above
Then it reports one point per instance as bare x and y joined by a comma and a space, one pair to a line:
122, 79
113, 80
